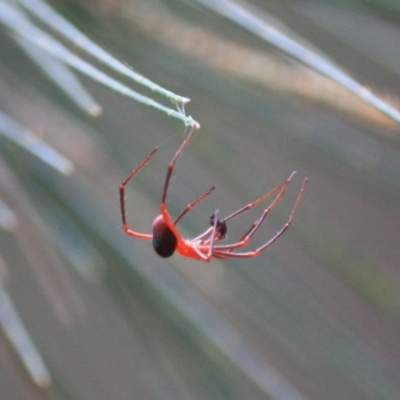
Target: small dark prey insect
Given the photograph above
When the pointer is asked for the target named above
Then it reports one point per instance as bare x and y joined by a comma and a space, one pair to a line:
167, 239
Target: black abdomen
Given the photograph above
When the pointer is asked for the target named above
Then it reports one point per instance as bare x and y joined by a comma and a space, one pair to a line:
164, 240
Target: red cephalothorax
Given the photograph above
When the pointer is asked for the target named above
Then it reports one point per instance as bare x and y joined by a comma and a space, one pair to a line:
167, 239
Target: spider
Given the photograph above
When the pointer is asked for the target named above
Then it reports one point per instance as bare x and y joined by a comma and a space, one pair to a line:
167, 239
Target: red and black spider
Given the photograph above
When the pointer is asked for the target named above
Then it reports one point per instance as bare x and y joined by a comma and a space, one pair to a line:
167, 239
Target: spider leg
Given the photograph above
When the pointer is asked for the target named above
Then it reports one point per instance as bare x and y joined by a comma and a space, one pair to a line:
209, 247
125, 226
253, 228
199, 250
281, 188
213, 235
163, 207
190, 206
203, 235
227, 251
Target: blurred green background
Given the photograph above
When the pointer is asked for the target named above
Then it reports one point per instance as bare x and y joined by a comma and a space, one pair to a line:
316, 316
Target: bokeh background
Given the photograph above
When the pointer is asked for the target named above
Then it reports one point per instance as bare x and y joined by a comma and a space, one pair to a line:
316, 316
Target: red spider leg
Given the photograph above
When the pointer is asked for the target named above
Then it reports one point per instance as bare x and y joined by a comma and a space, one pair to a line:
194, 204
163, 207
281, 188
229, 250
125, 226
213, 235
203, 235
220, 234
207, 257
205, 242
